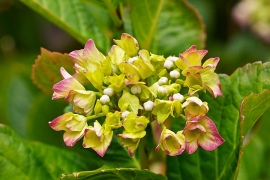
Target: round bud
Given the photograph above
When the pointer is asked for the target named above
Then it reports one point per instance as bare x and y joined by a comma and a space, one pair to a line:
168, 64
148, 106
136, 89
162, 90
108, 91
178, 97
105, 99
162, 80
175, 74
172, 58
124, 114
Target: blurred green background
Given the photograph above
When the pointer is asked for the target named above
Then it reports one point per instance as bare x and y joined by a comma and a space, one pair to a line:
237, 31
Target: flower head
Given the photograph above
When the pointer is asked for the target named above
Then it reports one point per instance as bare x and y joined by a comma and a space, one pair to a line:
73, 124
95, 138
171, 143
202, 133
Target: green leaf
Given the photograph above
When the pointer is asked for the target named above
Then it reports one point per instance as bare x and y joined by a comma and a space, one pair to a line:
107, 172
25, 160
253, 107
225, 112
73, 16
46, 70
167, 27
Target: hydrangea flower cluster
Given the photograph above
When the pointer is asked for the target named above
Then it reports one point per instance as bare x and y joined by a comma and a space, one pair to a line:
130, 88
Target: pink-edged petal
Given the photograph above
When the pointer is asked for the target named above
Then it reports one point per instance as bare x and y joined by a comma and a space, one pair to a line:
71, 137
191, 147
77, 123
64, 73
98, 144
194, 56
213, 84
136, 135
212, 139
92, 53
212, 62
62, 88
59, 123
83, 100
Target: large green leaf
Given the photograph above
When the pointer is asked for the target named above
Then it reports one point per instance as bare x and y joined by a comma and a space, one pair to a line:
166, 27
255, 163
25, 160
114, 174
73, 16
225, 112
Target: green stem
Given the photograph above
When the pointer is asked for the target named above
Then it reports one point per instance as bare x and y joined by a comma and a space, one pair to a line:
113, 14
98, 94
143, 157
183, 117
95, 116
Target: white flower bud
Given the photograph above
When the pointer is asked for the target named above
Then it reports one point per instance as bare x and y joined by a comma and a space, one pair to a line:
162, 80
104, 99
178, 97
175, 74
162, 90
172, 58
124, 114
131, 60
108, 91
148, 106
168, 64
136, 89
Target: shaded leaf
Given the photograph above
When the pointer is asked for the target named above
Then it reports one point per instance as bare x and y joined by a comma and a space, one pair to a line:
114, 173
224, 111
72, 16
25, 160
46, 70
168, 27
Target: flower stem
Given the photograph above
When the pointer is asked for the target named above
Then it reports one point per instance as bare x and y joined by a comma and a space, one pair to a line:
95, 116
143, 156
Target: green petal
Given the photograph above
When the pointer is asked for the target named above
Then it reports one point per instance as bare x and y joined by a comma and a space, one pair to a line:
129, 102
129, 44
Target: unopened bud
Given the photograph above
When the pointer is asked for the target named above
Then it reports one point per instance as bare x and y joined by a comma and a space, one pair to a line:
162, 90
136, 89
178, 97
124, 114
108, 91
175, 74
162, 81
105, 109
168, 64
148, 106
105, 99
172, 58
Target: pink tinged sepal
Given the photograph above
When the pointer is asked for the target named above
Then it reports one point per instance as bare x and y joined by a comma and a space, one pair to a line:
60, 122
83, 101
191, 57
71, 137
129, 44
62, 88
88, 58
202, 133
95, 139
195, 108
171, 143
212, 62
